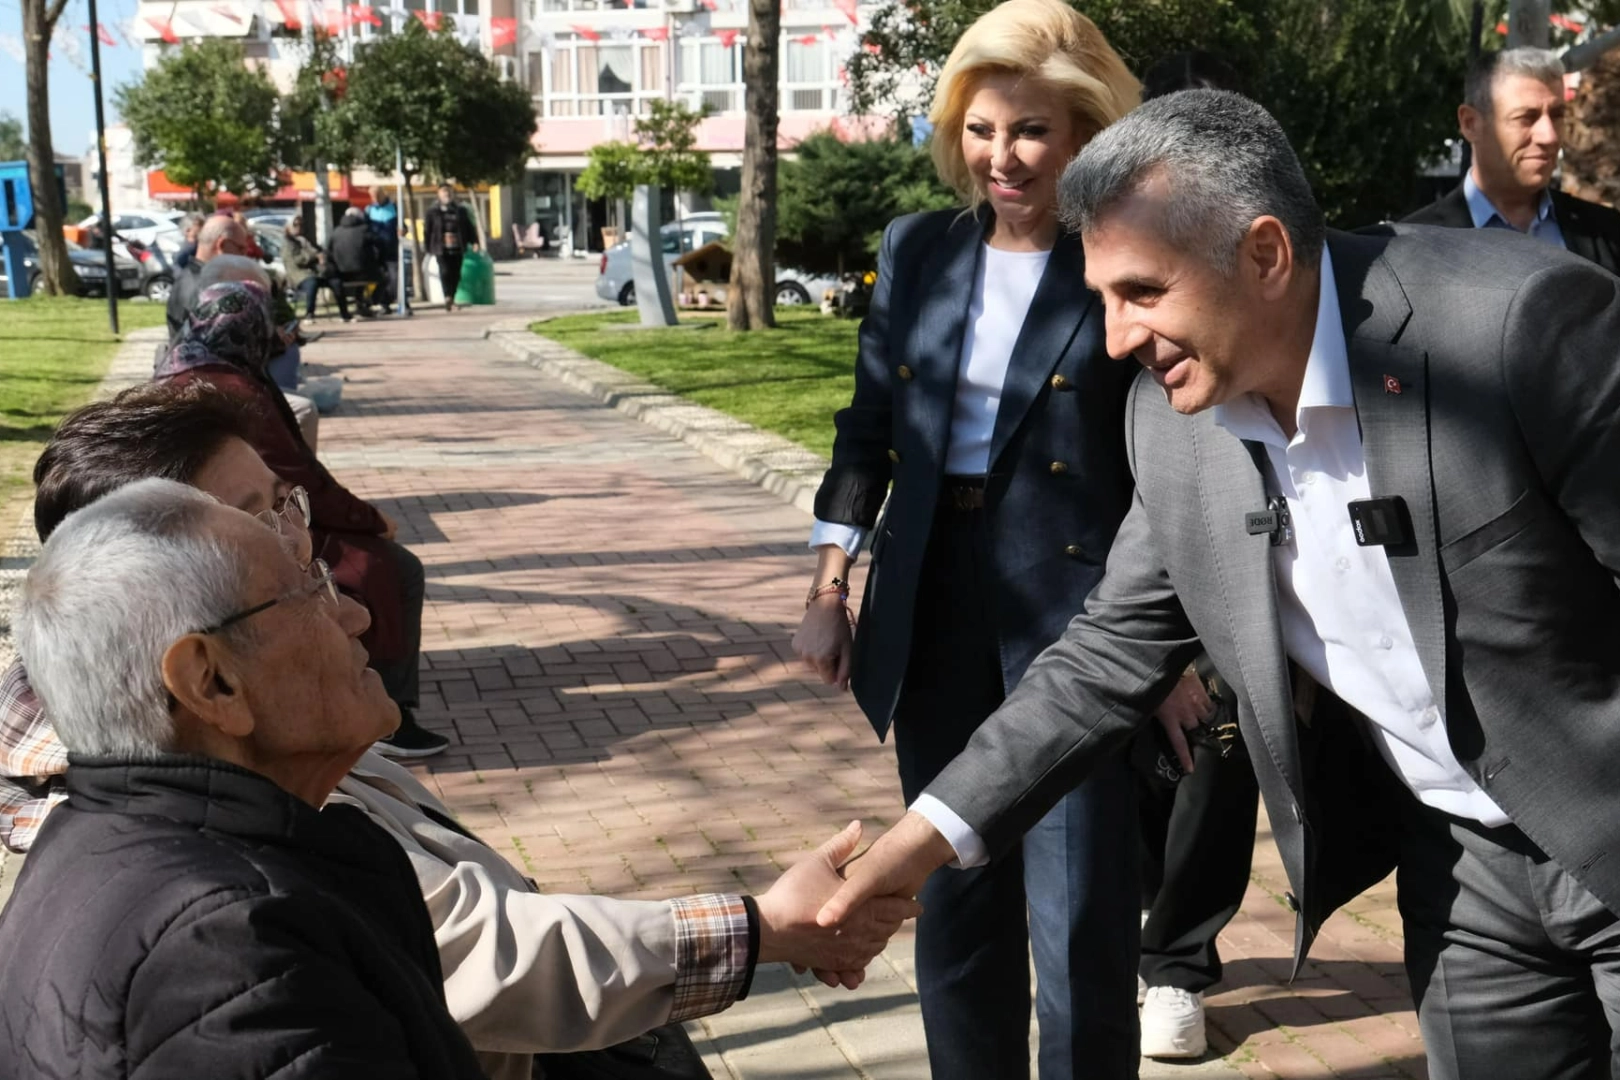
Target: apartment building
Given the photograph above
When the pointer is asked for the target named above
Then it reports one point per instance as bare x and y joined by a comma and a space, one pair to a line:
592, 66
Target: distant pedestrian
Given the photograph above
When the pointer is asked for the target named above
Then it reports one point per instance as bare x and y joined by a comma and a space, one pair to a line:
449, 233
307, 270
190, 226
353, 255
382, 218
1512, 113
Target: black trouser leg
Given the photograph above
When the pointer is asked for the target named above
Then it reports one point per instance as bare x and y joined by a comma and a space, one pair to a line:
1197, 843
401, 677
450, 274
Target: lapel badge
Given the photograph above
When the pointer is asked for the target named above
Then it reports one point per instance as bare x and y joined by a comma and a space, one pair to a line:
1392, 385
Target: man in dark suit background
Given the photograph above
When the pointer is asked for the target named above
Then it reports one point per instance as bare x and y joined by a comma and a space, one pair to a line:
1375, 482
1512, 115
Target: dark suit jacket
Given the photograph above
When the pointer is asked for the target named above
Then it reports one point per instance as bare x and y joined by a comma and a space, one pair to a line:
1504, 446
1057, 486
1590, 230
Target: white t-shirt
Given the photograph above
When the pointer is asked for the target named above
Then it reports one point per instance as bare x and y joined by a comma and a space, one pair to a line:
1002, 293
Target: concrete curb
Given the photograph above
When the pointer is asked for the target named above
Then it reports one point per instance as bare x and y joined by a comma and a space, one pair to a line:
785, 469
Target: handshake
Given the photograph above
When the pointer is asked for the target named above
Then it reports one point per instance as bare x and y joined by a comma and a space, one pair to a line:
830, 914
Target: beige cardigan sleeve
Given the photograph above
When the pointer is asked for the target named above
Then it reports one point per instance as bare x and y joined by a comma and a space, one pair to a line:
523, 972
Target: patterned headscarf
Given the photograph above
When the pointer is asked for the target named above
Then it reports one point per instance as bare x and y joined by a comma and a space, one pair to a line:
230, 323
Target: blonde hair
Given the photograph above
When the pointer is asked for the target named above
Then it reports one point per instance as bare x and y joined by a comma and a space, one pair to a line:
1045, 40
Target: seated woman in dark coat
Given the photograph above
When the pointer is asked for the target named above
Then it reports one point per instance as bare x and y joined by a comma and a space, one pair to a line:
190, 910
226, 341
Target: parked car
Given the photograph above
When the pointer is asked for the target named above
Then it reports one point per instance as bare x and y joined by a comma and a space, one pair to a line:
614, 277
268, 216
90, 266
147, 226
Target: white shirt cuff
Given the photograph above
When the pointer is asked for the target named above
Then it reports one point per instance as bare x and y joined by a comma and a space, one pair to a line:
968, 845
847, 537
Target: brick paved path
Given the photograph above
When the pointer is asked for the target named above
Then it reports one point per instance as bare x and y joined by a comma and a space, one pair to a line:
607, 645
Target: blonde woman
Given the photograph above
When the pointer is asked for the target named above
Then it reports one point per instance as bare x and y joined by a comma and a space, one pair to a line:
984, 397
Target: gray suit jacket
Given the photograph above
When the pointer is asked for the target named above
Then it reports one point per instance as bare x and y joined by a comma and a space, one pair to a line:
1505, 445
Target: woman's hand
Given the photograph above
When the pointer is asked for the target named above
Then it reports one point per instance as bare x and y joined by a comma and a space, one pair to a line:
825, 640
1187, 706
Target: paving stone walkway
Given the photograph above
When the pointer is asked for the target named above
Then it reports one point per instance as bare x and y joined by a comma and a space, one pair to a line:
606, 644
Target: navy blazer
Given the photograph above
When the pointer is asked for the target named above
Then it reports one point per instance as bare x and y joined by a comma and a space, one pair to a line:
1058, 484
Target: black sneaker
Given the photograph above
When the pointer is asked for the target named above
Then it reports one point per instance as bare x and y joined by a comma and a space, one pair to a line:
411, 740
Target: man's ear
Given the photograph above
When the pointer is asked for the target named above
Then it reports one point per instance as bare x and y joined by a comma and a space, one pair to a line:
1469, 122
1267, 256
197, 674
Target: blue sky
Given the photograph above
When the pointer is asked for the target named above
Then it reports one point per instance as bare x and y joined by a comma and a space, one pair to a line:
73, 111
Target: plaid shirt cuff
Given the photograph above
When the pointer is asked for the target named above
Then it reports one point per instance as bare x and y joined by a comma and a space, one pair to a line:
716, 946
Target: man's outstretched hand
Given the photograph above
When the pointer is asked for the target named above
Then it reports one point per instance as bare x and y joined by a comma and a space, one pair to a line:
789, 930
897, 865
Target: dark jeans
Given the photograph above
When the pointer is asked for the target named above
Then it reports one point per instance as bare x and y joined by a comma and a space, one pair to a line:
1197, 843
310, 288
1515, 966
401, 677
450, 274
1074, 879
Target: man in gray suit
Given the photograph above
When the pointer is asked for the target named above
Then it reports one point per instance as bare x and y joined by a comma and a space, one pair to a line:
1377, 481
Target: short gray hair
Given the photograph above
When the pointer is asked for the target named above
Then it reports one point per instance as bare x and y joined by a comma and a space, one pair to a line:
1226, 162
215, 229
224, 268
1479, 88
118, 583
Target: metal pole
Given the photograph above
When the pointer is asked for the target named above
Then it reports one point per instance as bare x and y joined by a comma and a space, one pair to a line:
323, 190
1528, 24
1585, 54
101, 150
399, 222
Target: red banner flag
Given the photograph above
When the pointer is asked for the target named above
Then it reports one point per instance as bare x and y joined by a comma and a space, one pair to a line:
289, 14
728, 38
806, 39
227, 11
364, 13
848, 8
104, 34
502, 32
657, 33
586, 32
429, 19
165, 29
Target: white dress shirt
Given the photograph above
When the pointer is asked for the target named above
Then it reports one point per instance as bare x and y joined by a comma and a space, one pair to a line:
1342, 619
1003, 290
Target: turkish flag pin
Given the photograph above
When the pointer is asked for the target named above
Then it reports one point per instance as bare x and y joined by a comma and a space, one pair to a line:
1392, 385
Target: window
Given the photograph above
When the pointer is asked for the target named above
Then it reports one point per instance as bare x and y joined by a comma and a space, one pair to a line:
711, 74
807, 76
587, 78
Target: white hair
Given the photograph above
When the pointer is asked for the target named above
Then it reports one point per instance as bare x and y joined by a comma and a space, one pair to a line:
116, 585
223, 268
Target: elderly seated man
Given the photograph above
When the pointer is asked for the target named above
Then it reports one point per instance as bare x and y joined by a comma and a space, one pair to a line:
523, 972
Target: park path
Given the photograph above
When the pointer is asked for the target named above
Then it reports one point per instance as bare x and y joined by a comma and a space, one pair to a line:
606, 645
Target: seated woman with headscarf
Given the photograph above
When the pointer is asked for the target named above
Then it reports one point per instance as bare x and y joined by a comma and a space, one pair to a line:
226, 341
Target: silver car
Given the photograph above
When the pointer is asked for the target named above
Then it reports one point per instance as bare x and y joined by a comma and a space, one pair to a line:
614, 280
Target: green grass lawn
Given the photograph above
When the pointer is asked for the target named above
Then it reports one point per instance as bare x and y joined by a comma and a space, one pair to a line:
789, 380
53, 352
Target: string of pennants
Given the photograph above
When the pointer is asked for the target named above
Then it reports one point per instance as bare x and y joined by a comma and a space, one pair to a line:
334, 16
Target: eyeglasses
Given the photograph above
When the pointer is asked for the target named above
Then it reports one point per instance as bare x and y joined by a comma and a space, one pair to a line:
319, 582
292, 508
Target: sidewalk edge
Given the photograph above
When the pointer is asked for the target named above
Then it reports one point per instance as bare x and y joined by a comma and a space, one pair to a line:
785, 469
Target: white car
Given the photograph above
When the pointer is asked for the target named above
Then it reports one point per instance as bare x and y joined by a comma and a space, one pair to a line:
147, 226
614, 277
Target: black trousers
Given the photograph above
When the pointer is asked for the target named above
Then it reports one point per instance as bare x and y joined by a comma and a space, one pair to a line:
450, 274
1197, 844
402, 677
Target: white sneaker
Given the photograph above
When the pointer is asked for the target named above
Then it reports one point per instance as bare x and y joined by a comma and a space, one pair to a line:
1173, 1023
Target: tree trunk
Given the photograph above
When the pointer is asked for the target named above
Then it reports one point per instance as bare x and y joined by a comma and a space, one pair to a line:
1592, 136
416, 244
39, 23
750, 297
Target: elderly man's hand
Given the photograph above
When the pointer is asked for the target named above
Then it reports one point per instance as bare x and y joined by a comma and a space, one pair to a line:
838, 954
897, 865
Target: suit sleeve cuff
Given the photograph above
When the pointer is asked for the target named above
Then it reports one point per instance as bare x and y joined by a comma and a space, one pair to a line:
848, 537
969, 846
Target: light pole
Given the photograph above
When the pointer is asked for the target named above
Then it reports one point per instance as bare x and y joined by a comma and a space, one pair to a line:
1528, 24
101, 151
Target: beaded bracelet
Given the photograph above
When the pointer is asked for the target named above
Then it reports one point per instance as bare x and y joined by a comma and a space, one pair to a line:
836, 585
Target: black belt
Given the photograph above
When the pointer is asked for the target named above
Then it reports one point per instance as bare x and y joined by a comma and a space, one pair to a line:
963, 493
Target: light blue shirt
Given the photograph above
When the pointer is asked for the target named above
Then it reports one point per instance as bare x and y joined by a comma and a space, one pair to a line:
1486, 216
